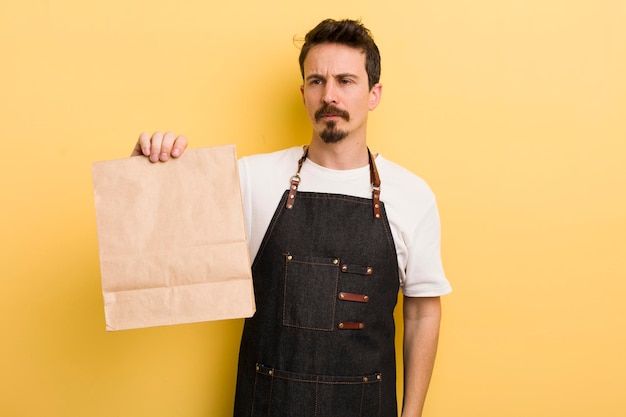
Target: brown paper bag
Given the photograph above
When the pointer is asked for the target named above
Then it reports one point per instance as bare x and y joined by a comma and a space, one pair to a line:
172, 240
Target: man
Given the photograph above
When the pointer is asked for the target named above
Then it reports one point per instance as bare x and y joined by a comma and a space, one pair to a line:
350, 228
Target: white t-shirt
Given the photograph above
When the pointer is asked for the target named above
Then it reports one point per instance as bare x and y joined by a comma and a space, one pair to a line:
410, 205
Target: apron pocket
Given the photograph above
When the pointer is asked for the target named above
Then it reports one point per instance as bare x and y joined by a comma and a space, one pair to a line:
310, 292
288, 394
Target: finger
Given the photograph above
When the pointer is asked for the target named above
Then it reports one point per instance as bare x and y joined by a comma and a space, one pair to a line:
180, 144
155, 148
166, 146
142, 147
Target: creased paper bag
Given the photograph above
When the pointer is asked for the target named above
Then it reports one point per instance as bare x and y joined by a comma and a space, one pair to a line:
171, 239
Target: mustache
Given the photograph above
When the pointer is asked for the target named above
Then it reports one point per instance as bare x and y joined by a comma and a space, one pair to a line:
329, 110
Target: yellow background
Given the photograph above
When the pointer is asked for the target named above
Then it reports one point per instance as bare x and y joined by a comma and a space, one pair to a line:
512, 110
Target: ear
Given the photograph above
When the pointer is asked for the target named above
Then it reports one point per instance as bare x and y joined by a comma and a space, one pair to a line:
375, 96
302, 92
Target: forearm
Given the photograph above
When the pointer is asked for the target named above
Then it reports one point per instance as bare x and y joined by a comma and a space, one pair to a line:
422, 318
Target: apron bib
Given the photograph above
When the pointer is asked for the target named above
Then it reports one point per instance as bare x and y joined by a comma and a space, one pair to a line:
321, 343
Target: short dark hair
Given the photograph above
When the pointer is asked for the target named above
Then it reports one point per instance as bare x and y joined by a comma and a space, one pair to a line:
345, 32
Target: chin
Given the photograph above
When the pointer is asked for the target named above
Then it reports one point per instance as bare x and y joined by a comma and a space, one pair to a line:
333, 137
331, 134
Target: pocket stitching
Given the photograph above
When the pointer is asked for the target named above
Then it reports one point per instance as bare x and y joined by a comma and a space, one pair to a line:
333, 263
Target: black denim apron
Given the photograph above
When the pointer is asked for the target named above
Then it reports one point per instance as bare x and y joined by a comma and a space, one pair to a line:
321, 343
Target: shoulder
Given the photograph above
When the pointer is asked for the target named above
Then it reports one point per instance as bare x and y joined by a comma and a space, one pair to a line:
398, 182
268, 174
277, 158
409, 202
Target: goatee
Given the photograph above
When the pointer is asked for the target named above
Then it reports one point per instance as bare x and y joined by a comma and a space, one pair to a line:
331, 134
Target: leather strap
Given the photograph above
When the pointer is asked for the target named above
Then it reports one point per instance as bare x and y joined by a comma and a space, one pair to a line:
375, 181
359, 298
295, 181
357, 269
351, 325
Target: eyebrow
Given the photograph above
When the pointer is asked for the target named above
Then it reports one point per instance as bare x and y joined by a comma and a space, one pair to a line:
342, 75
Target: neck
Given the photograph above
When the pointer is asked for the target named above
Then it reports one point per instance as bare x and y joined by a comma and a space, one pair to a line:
341, 155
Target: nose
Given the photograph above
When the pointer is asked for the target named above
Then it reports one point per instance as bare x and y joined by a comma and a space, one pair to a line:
329, 95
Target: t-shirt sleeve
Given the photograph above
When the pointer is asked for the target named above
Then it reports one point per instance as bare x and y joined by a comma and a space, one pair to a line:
424, 270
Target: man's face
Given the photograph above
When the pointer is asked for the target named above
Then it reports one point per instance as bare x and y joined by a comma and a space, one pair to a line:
336, 92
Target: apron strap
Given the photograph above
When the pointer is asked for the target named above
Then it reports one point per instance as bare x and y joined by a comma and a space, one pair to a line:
295, 181
374, 180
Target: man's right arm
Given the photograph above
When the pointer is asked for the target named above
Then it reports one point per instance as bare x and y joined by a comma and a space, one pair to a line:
160, 146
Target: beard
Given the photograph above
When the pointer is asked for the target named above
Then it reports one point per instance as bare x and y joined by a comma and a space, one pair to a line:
331, 134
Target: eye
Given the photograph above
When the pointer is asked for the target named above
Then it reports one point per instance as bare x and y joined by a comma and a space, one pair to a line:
345, 81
